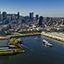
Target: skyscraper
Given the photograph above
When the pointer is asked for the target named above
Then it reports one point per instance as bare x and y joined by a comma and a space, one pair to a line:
11, 18
47, 19
40, 20
18, 15
0, 15
36, 17
62, 21
31, 16
4, 14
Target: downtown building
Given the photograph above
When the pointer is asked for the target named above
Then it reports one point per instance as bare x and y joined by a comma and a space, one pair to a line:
4, 16
18, 15
40, 20
0, 16
31, 16
36, 17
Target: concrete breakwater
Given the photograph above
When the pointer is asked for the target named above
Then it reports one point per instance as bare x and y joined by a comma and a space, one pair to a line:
53, 37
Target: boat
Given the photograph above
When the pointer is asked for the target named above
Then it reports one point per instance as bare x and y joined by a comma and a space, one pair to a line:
46, 43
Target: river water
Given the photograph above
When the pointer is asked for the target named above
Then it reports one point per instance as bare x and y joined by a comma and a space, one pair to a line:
36, 52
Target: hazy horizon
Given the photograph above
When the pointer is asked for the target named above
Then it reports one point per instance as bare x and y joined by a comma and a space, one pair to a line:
45, 8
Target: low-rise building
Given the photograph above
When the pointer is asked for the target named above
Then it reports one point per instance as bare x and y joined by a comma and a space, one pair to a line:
4, 43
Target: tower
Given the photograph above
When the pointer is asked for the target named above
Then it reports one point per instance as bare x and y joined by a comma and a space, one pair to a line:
47, 19
18, 15
0, 15
62, 21
4, 14
40, 20
36, 17
31, 16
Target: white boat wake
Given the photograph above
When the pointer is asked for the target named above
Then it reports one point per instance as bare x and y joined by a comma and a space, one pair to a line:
26, 47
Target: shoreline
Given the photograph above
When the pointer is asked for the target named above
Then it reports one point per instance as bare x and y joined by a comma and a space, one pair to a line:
35, 34
21, 35
53, 37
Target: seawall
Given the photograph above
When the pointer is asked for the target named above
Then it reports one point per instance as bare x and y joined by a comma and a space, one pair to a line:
25, 35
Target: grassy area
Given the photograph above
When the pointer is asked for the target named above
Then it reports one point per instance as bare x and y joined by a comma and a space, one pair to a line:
12, 51
8, 34
13, 41
24, 28
15, 34
5, 34
18, 50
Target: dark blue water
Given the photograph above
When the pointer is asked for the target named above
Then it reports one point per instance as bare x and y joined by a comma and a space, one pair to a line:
36, 52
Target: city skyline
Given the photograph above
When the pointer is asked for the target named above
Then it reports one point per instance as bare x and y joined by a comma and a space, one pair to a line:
46, 8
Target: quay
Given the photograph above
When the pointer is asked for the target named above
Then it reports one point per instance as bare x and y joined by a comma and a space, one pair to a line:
59, 38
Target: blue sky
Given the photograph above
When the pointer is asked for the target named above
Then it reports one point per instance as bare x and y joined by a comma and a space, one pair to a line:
46, 8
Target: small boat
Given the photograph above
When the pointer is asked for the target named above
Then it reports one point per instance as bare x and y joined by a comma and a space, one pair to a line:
46, 43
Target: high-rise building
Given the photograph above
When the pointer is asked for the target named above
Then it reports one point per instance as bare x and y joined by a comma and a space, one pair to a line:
36, 17
4, 15
18, 15
62, 21
0, 15
47, 19
31, 16
13, 17
40, 20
